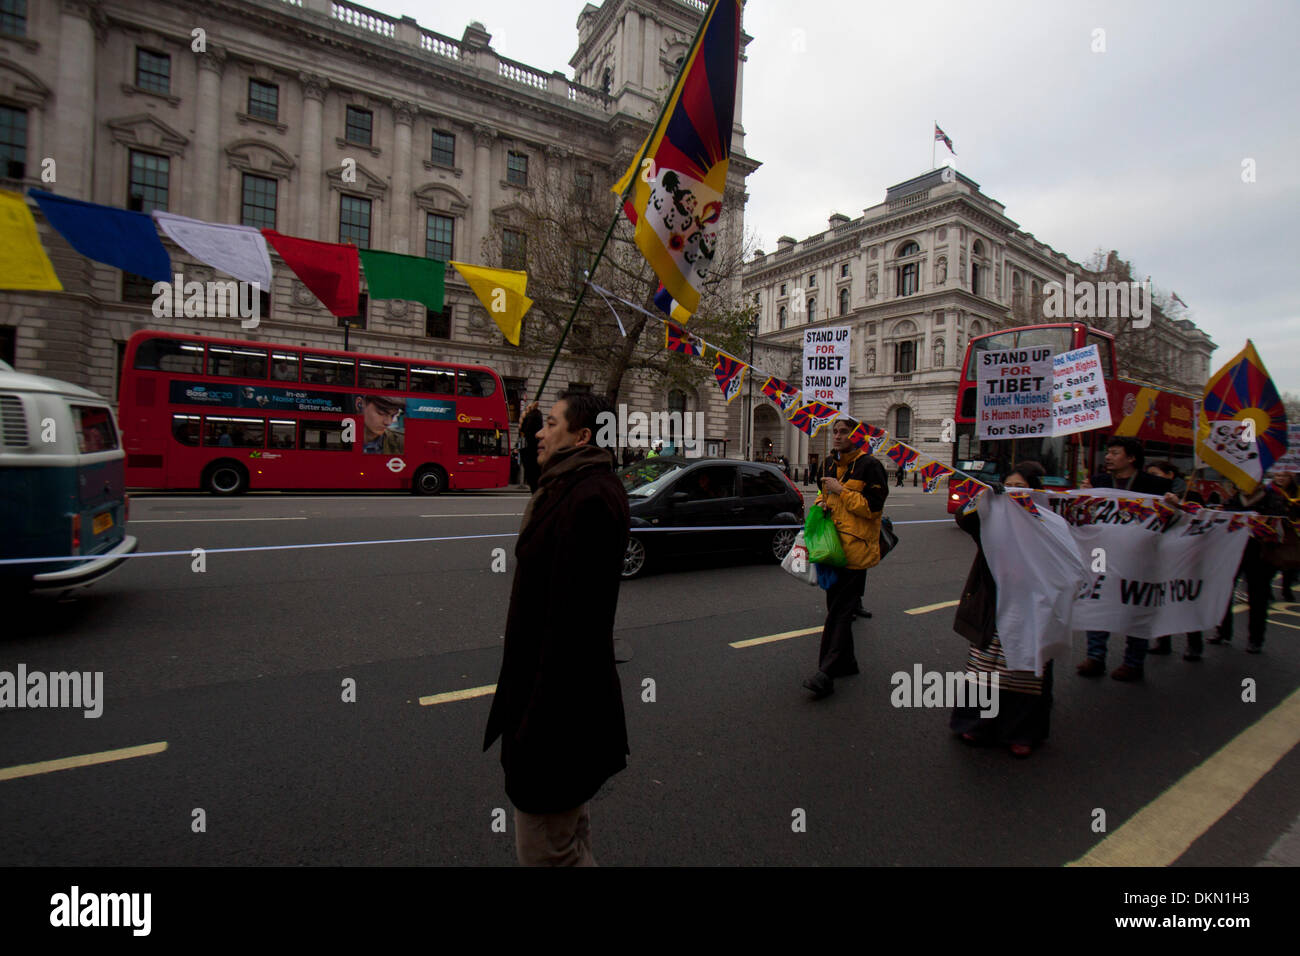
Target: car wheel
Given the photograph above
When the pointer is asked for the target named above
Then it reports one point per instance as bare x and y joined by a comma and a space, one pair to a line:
226, 478
635, 558
430, 481
782, 542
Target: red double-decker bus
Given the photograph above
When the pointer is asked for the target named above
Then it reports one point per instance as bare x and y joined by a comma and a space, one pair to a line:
227, 416
1164, 421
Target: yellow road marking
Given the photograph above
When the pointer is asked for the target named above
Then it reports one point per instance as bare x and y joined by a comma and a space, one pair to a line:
932, 607
465, 694
83, 760
1283, 624
776, 637
1161, 832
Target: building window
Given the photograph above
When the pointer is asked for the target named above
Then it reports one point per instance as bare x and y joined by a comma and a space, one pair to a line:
908, 249
812, 308
137, 288
583, 186
263, 100
871, 328
905, 358
844, 270
444, 149
514, 250
782, 288
582, 388
437, 325
976, 273
903, 423
360, 126
147, 188
516, 389
844, 301
13, 19
516, 169
812, 282
357, 321
438, 237
907, 279
153, 71
579, 260
354, 221
258, 209
780, 316
13, 141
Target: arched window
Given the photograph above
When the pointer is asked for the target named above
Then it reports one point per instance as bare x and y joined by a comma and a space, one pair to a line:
908, 249
780, 316
903, 423
977, 249
976, 328
908, 278
844, 301
812, 308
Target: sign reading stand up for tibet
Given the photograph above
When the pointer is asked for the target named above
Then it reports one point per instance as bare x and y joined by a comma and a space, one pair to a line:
1015, 387
826, 366
1079, 401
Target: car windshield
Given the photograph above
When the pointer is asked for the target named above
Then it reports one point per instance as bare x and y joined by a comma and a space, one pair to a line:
643, 479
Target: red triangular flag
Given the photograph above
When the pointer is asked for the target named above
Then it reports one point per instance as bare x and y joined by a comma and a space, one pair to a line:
332, 271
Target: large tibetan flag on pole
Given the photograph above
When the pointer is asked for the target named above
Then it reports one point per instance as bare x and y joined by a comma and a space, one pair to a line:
503, 293
677, 189
23, 262
730, 373
1242, 429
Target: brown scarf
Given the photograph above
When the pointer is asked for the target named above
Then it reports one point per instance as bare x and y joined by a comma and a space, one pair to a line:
560, 464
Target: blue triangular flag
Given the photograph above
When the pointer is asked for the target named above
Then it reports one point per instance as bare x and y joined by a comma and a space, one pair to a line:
118, 237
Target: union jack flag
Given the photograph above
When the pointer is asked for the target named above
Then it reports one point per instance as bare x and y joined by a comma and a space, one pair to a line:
730, 373
942, 137
677, 339
902, 455
1265, 528
782, 393
1025, 502
931, 475
810, 418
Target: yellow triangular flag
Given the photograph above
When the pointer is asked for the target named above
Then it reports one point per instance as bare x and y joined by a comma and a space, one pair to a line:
502, 293
23, 263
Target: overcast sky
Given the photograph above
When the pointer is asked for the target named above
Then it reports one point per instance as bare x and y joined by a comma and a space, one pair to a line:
1138, 148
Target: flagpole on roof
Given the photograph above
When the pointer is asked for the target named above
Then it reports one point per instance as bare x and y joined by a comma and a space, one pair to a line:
631, 183
933, 139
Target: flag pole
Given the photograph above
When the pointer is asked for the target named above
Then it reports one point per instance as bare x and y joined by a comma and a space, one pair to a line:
933, 139
631, 183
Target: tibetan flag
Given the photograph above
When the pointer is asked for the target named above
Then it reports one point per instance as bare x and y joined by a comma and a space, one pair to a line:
1236, 523
931, 475
875, 437
966, 487
503, 292
23, 262
1242, 429
390, 275
329, 269
730, 373
677, 339
1136, 507
904, 456
1026, 502
674, 196
782, 393
669, 306
119, 237
1191, 507
1164, 511
1265, 528
239, 251
941, 137
811, 418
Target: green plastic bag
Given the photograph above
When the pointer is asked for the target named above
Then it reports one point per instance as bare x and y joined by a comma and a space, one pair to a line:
822, 539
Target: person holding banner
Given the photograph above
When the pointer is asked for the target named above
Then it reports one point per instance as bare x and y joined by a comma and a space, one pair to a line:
1257, 571
1284, 483
1024, 700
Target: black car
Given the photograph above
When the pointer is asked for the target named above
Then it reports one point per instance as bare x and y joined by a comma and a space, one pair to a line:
715, 493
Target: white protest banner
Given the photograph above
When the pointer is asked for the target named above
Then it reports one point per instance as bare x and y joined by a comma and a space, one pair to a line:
1014, 393
1291, 460
1079, 401
826, 366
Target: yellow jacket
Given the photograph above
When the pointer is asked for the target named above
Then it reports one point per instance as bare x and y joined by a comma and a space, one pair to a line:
864, 481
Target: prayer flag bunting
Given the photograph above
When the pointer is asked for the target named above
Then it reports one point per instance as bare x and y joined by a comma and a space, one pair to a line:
730, 373
239, 251
23, 262
904, 456
503, 292
931, 475
329, 269
118, 237
677, 339
782, 393
391, 275
810, 418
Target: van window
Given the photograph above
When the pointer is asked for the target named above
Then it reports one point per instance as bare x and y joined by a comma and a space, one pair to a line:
169, 355
95, 431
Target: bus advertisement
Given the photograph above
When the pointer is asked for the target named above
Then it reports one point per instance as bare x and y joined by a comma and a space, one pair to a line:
229, 416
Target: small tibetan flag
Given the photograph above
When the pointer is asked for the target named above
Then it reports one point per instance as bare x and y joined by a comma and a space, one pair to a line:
810, 418
1025, 502
503, 292
23, 262
391, 275
931, 475
1265, 528
967, 487
331, 270
677, 339
782, 393
1236, 523
730, 373
902, 455
875, 437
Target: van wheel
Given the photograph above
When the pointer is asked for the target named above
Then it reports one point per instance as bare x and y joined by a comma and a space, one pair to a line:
430, 480
226, 477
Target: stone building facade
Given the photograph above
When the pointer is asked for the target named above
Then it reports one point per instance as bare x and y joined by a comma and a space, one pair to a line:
330, 121
916, 277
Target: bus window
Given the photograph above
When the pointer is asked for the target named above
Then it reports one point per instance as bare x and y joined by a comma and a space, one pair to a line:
1103, 350
476, 384
328, 370
435, 381
95, 431
383, 375
220, 431
169, 355
283, 433
284, 366
236, 361
323, 436
1058, 339
185, 429
480, 441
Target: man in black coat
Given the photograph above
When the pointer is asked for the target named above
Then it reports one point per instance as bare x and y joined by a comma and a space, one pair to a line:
1124, 460
558, 707
528, 430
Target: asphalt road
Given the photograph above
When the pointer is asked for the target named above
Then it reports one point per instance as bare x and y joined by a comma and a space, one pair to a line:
240, 670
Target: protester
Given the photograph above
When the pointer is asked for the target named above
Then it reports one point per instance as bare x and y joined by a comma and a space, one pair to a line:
558, 707
1024, 699
528, 430
1284, 483
1168, 471
898, 478
1124, 459
854, 487
1195, 644
1257, 571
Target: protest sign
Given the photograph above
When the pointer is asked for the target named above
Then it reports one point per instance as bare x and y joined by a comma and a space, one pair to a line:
1079, 401
1014, 393
826, 366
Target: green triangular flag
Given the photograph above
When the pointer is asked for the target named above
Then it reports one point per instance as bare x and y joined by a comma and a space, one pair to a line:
391, 275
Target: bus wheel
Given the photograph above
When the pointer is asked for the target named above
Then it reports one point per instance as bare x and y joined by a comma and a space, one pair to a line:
431, 480
226, 477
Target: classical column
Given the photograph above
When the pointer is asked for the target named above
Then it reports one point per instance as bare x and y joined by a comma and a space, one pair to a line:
400, 234
207, 137
310, 223
74, 103
481, 200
